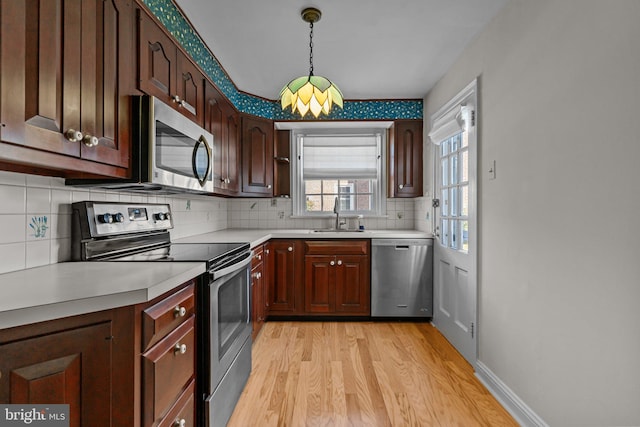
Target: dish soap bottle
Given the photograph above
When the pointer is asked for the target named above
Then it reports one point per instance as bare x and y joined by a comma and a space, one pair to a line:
360, 222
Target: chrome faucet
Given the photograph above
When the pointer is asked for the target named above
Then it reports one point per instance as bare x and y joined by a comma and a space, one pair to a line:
336, 210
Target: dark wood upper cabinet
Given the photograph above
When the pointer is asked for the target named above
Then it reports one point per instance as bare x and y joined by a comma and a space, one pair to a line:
405, 159
257, 156
65, 81
165, 71
223, 121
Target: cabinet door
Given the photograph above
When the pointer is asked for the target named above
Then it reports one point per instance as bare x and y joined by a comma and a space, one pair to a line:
257, 296
222, 120
107, 71
156, 61
189, 89
405, 159
319, 279
352, 288
257, 156
283, 295
71, 367
41, 73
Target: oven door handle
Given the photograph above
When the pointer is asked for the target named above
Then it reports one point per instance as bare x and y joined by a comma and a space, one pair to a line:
232, 268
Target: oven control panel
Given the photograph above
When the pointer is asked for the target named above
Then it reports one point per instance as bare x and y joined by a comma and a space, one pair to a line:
111, 218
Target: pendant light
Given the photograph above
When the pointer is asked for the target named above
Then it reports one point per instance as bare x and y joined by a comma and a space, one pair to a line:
310, 93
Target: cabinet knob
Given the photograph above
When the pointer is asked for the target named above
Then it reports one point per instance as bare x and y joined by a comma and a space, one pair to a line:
73, 135
332, 263
339, 262
176, 99
90, 140
179, 311
268, 185
259, 275
290, 248
180, 349
180, 423
266, 251
401, 186
259, 257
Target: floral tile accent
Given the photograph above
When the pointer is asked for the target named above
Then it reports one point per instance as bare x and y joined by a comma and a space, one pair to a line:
169, 15
39, 227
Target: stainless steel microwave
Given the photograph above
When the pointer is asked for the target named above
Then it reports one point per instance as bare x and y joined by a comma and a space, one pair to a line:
171, 154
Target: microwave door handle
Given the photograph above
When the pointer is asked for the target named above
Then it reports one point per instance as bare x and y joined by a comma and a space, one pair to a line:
201, 141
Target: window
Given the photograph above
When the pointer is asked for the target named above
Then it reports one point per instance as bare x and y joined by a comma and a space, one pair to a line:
347, 165
454, 191
450, 134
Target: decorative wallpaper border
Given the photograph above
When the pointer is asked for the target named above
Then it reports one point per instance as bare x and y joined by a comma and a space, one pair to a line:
169, 15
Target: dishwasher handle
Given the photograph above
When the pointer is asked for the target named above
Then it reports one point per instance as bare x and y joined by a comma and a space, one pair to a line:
402, 247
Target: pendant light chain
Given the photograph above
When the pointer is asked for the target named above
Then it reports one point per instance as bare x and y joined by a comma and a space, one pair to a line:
311, 49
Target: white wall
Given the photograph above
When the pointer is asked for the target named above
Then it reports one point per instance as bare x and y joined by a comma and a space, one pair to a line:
559, 263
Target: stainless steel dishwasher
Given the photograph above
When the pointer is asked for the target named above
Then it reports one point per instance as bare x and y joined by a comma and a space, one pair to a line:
402, 277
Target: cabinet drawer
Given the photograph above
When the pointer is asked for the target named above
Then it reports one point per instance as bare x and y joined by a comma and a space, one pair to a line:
161, 318
167, 368
183, 410
331, 247
258, 256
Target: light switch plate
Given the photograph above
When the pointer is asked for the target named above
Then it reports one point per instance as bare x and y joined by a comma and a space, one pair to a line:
492, 170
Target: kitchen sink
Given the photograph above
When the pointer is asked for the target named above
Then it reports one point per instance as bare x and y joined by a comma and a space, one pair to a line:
334, 230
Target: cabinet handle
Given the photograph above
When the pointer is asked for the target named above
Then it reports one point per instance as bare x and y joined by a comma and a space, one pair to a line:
339, 262
180, 423
90, 140
332, 263
176, 98
73, 135
180, 349
290, 248
179, 311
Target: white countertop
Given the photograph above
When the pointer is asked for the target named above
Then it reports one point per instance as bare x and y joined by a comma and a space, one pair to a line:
66, 289
258, 236
70, 288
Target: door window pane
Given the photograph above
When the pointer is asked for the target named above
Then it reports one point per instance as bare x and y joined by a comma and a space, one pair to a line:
454, 169
444, 203
465, 236
464, 200
445, 172
453, 209
464, 166
444, 234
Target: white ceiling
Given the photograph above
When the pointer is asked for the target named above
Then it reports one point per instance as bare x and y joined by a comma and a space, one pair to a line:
372, 49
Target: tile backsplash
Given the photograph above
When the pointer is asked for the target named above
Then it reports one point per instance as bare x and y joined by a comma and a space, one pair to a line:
276, 213
35, 216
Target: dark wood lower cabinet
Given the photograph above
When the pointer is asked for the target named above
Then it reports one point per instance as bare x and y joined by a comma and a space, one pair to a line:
79, 361
285, 289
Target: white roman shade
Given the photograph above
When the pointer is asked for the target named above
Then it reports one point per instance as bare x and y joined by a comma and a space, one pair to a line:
450, 123
335, 156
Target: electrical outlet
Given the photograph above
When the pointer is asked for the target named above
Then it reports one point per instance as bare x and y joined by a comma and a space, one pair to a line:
400, 215
281, 214
274, 202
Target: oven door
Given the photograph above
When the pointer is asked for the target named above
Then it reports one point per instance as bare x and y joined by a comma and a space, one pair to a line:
229, 316
181, 151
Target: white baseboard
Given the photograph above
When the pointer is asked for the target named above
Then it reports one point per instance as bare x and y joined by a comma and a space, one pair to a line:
507, 398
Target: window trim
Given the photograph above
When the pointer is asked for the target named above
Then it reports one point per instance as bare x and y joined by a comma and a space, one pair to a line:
379, 184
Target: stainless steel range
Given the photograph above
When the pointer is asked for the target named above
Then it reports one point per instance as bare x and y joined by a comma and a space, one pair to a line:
140, 232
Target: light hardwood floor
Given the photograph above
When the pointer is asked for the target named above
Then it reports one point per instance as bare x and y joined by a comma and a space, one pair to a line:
362, 374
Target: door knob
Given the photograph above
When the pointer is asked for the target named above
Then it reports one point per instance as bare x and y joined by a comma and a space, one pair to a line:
90, 140
73, 135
